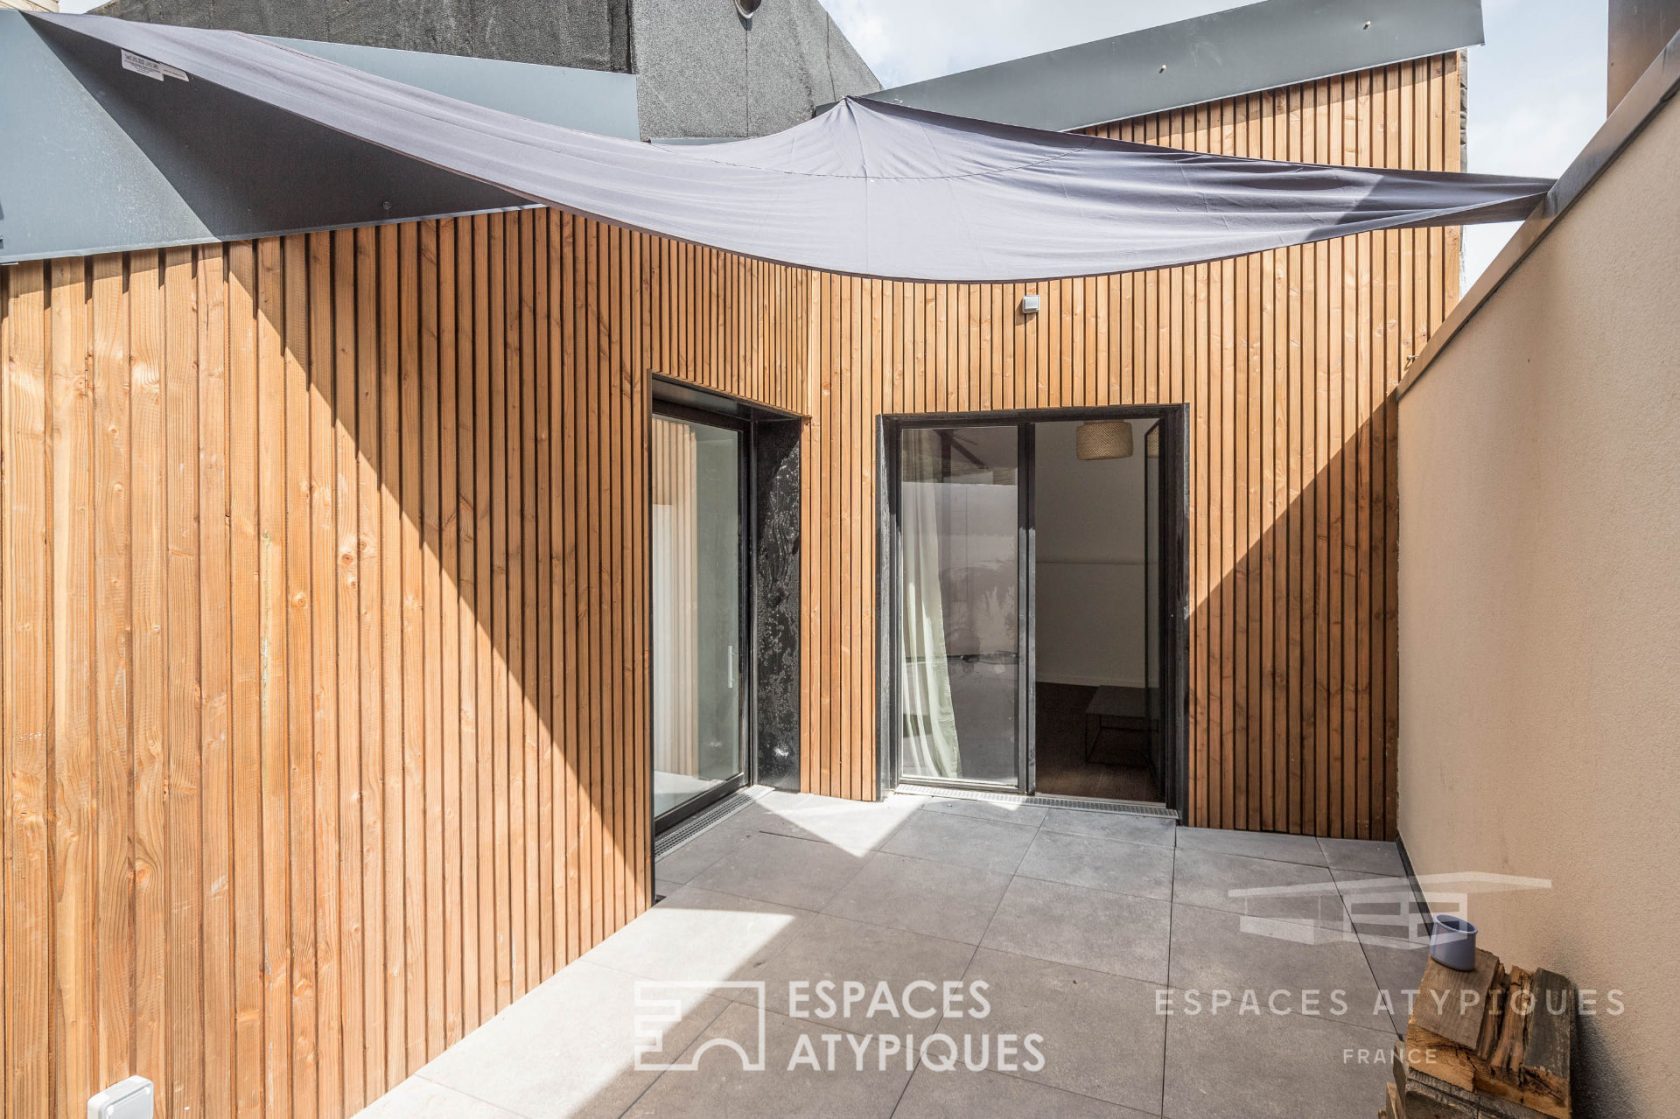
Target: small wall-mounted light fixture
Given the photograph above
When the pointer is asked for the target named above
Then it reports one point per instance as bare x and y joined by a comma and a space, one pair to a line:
1029, 304
748, 8
128, 1099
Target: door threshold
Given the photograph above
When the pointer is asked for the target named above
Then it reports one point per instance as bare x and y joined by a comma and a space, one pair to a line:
1083, 804
680, 833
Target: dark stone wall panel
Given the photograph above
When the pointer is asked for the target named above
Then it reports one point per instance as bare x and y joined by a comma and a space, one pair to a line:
776, 601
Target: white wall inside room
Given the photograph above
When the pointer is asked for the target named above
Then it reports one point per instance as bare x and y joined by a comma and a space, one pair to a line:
1089, 520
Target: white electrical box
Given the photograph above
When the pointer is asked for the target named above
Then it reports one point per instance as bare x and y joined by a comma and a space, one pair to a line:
1029, 304
128, 1099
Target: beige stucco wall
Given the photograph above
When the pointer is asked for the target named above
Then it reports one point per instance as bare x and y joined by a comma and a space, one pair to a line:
1540, 615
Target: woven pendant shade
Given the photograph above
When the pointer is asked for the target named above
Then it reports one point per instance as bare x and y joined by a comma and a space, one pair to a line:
1104, 439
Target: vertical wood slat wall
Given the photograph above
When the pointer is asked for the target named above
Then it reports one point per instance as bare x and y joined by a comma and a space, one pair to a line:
1287, 362
323, 669
324, 676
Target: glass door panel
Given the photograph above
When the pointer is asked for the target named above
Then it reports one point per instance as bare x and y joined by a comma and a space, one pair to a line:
1153, 585
959, 605
697, 610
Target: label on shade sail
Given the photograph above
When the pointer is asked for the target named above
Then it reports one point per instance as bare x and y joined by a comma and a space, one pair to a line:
151, 68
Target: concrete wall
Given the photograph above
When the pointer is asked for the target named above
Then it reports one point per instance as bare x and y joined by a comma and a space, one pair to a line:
702, 70
1540, 615
593, 34
1639, 30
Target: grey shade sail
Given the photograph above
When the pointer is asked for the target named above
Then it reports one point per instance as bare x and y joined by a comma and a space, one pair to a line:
865, 189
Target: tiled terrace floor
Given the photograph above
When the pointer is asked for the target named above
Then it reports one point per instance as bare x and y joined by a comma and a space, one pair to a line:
1077, 922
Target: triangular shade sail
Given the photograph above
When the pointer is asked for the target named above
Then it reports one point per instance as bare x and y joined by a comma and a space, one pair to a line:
866, 189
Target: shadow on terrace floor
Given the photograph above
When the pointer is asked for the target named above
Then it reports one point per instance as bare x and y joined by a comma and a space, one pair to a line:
1084, 927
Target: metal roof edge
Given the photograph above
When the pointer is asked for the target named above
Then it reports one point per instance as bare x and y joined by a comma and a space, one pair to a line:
111, 168
1242, 50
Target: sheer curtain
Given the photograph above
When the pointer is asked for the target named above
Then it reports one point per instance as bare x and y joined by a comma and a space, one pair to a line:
929, 728
676, 737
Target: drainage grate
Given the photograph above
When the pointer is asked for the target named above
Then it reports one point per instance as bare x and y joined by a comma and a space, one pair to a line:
1084, 804
669, 841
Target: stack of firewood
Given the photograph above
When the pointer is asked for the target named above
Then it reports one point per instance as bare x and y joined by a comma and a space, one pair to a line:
1488, 1042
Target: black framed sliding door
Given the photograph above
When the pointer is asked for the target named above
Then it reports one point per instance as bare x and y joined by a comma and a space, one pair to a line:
700, 623
959, 595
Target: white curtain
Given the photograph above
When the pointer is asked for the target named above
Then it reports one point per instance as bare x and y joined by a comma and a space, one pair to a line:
676, 599
929, 729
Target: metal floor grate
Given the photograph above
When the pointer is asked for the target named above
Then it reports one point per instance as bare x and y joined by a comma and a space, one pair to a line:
1083, 804
669, 841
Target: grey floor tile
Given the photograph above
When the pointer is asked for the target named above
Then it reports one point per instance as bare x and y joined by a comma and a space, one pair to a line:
1217, 881
802, 873
1100, 1034
1101, 864
786, 1087
569, 1046
922, 896
419, 1098
964, 1094
1155, 830
1398, 972
1369, 855
1254, 844
1118, 933
1024, 815
961, 841
709, 846
1074, 948
857, 827
850, 962
1228, 1066
698, 936
1326, 975
1384, 908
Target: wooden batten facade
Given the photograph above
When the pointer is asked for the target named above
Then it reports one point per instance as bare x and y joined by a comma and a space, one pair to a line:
324, 618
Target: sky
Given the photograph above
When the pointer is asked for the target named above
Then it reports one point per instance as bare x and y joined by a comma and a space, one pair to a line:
1536, 88
1536, 91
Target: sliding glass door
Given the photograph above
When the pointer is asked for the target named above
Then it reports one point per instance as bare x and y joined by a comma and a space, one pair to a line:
699, 713
960, 649
1033, 604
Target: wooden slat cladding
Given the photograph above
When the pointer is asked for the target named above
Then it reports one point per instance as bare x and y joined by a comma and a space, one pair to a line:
324, 678
1287, 362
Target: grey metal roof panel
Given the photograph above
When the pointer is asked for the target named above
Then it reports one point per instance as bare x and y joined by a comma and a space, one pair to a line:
1240, 50
101, 162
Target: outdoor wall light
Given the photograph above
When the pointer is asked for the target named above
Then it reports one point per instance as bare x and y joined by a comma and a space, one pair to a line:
747, 8
1104, 439
1029, 304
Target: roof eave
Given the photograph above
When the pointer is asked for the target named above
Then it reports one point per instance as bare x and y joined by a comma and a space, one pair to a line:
1232, 53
